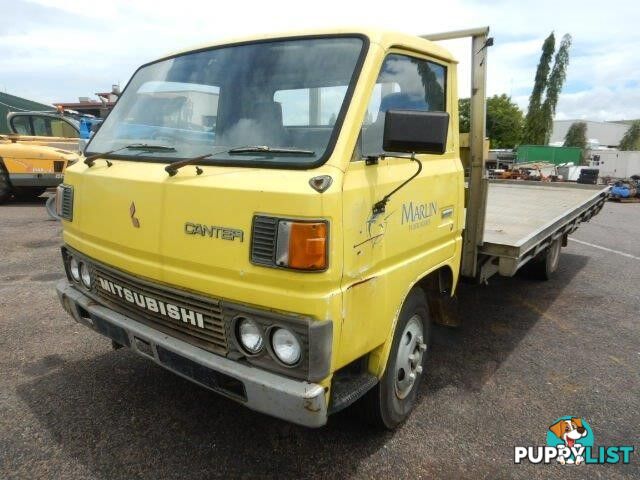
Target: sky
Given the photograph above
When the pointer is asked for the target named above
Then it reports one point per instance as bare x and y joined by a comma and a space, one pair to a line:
58, 50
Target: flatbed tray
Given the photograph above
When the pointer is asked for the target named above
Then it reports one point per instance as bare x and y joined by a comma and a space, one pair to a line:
522, 216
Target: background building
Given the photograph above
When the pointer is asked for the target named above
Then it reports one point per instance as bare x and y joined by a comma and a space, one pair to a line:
98, 108
607, 134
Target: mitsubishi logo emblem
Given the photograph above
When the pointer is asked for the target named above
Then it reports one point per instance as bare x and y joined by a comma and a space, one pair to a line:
132, 214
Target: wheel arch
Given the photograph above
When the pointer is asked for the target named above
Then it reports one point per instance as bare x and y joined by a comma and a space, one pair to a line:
437, 284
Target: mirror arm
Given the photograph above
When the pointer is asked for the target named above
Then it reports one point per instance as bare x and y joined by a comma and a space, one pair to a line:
380, 206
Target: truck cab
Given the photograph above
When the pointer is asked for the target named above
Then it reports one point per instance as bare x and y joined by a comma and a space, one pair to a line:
275, 219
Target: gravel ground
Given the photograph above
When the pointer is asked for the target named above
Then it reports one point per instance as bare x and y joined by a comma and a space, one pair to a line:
528, 352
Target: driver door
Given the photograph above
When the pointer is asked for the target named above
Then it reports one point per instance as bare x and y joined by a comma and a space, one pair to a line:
420, 227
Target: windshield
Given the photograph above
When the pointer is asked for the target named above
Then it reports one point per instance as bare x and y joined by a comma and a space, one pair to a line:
288, 95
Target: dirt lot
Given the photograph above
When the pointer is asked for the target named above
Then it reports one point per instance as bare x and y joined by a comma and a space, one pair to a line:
528, 352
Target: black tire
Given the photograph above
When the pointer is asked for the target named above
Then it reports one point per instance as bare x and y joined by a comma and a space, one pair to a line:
28, 193
388, 405
546, 264
5, 184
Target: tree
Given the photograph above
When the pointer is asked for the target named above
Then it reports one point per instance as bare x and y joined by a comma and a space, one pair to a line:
433, 91
534, 123
631, 138
576, 135
464, 112
504, 120
556, 81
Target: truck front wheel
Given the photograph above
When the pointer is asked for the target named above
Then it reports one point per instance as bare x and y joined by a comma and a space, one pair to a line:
389, 403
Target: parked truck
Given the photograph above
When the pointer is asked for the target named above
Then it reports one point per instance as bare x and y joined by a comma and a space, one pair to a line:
36, 152
280, 219
63, 129
27, 169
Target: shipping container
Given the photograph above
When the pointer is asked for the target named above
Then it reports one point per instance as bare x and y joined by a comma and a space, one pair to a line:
544, 153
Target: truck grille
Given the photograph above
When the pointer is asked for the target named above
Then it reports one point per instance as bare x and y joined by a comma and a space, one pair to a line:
181, 314
263, 240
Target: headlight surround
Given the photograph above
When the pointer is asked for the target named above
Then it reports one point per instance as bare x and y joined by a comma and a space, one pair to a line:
74, 269
249, 335
85, 275
64, 202
286, 346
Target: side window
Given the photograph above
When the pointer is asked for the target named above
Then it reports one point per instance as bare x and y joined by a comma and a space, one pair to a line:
20, 124
41, 126
310, 107
404, 83
60, 128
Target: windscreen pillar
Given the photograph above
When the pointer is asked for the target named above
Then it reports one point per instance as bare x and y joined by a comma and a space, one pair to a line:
476, 200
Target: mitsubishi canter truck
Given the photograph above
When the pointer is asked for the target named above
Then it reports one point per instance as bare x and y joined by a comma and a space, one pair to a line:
279, 219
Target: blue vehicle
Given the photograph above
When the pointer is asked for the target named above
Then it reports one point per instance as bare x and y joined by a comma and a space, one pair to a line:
624, 189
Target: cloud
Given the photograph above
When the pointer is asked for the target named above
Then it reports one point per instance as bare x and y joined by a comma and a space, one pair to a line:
57, 50
600, 103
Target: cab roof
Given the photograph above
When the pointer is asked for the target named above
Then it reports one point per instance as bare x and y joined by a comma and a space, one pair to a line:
384, 38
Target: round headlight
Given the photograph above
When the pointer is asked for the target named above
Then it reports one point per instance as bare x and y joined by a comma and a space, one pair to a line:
74, 268
286, 346
85, 275
250, 336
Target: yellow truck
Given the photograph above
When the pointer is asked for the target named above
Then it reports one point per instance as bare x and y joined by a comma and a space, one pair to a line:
280, 219
28, 167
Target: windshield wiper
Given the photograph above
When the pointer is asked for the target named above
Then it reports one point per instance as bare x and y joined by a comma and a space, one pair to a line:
150, 148
268, 149
134, 146
173, 168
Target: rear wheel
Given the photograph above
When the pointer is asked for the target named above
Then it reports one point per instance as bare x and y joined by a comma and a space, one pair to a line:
389, 403
544, 267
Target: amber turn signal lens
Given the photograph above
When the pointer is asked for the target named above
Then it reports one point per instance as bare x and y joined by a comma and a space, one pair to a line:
308, 246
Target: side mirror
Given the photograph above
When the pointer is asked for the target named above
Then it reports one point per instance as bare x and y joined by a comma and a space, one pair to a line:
411, 131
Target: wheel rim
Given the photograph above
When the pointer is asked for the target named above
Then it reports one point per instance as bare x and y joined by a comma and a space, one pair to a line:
408, 365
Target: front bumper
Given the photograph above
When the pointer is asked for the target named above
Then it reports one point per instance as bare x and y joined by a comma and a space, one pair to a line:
296, 401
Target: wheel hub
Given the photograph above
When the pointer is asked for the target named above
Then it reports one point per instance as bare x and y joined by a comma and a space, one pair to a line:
408, 363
